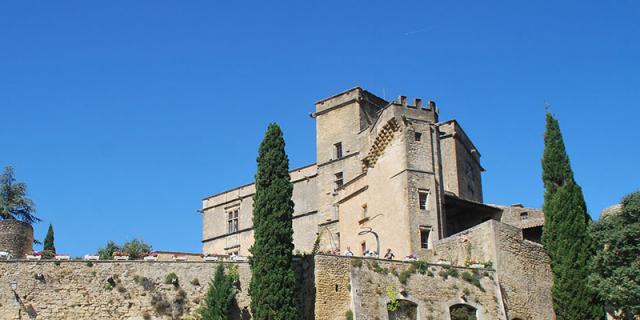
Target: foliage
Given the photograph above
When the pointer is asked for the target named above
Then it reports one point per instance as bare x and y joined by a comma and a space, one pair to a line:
49, 249
348, 315
195, 282
393, 299
136, 249
273, 284
172, 278
463, 312
473, 278
356, 263
565, 235
420, 266
106, 252
219, 297
14, 204
615, 268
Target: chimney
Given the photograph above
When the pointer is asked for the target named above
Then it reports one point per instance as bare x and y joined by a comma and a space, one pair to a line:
418, 103
432, 105
403, 101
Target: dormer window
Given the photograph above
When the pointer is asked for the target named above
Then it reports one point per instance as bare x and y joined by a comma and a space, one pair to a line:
338, 150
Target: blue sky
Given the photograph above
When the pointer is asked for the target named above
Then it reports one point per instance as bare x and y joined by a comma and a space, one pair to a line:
122, 115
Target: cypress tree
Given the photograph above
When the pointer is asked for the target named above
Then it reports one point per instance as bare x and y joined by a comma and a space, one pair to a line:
273, 284
565, 233
49, 249
219, 297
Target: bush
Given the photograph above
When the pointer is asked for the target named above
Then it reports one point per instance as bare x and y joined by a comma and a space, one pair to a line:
172, 278
106, 252
473, 278
453, 272
136, 249
195, 282
348, 315
420, 266
356, 263
404, 276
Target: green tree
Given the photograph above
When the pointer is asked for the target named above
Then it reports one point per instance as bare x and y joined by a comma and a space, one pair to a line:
273, 284
14, 203
49, 249
136, 248
219, 296
106, 252
615, 268
565, 233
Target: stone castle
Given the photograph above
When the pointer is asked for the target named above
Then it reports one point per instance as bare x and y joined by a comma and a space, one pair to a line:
389, 175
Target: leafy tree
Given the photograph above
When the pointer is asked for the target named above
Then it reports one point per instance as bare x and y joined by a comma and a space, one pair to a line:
565, 235
136, 249
14, 203
219, 296
273, 284
49, 249
106, 252
615, 268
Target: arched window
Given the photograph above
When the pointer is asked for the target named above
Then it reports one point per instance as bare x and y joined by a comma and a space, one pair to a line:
406, 310
463, 312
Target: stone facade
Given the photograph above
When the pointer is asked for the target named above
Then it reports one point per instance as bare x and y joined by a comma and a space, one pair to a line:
381, 166
16, 237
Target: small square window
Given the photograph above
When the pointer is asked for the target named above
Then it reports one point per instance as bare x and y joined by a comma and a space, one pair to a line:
423, 198
524, 215
417, 136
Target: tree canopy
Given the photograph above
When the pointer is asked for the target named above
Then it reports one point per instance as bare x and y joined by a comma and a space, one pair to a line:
14, 203
49, 248
273, 283
565, 232
615, 268
220, 296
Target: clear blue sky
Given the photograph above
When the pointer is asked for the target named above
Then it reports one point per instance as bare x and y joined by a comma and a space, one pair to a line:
121, 115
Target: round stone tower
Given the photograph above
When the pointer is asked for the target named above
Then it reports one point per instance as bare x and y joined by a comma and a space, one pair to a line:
16, 237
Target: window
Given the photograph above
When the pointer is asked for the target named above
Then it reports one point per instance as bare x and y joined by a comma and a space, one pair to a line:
424, 237
363, 247
417, 136
524, 215
339, 180
232, 221
423, 198
338, 147
364, 211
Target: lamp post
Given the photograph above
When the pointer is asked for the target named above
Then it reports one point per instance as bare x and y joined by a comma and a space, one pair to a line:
369, 230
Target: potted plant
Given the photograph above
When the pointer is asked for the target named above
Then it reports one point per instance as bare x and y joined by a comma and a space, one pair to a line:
150, 256
120, 255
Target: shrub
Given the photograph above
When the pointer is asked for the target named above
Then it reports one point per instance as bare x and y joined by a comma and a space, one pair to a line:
443, 274
473, 278
195, 282
356, 263
348, 315
136, 249
393, 299
89, 264
420, 266
453, 272
172, 278
404, 276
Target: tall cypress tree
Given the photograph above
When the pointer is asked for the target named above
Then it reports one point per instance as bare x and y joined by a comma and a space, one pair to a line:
49, 249
273, 284
565, 235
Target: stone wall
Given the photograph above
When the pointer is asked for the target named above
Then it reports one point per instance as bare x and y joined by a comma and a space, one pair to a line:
365, 287
109, 290
16, 237
522, 267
